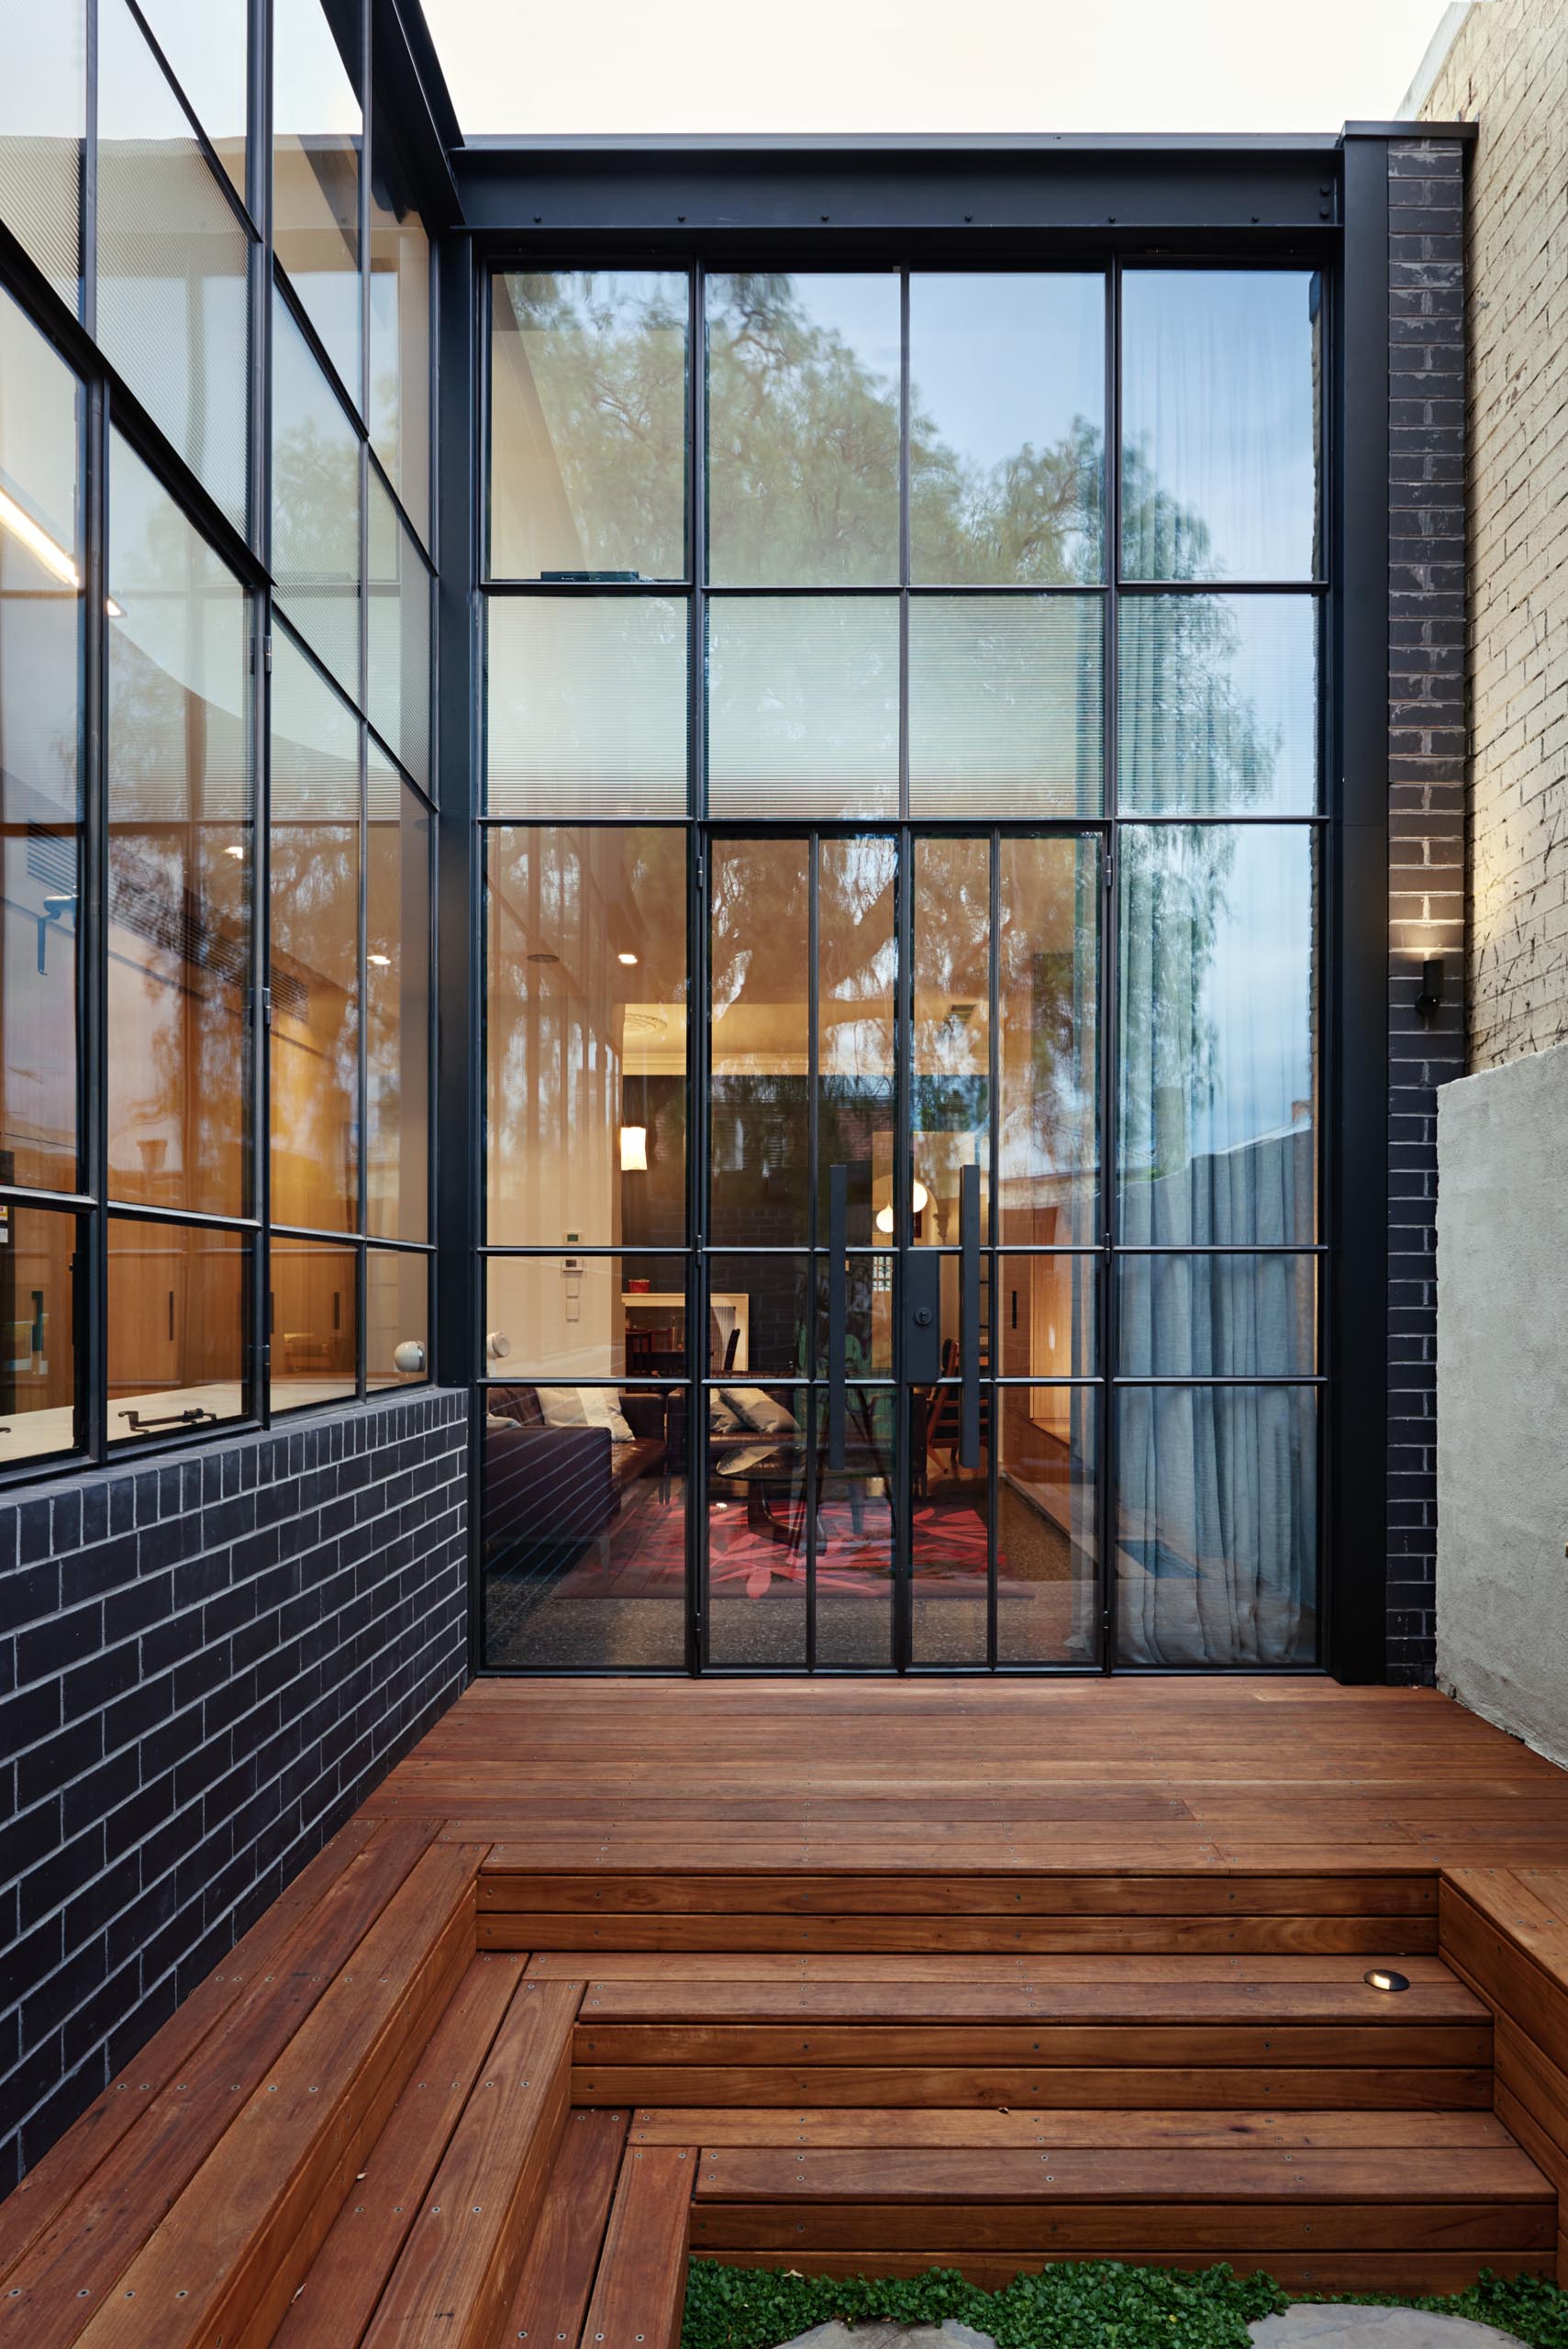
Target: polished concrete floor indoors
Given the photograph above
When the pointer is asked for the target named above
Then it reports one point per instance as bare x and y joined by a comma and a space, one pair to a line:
848, 1976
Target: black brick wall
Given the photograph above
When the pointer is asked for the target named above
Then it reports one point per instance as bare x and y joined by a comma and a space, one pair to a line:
205, 1664
1426, 822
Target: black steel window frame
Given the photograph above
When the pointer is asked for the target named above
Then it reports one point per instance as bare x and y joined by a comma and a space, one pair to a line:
112, 408
490, 254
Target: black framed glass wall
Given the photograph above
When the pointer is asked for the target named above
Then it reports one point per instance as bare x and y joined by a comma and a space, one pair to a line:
183, 574
985, 609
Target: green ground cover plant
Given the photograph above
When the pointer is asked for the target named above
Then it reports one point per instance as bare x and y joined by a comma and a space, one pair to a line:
1089, 2304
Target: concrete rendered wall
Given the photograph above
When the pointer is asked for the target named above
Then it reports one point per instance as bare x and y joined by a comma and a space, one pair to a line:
1503, 1395
1508, 70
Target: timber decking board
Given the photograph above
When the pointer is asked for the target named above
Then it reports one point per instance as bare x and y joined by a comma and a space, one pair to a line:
639, 2288
459, 2264
563, 2256
1174, 2174
1237, 1997
344, 2281
1420, 2088
958, 1935
1097, 2230
869, 2126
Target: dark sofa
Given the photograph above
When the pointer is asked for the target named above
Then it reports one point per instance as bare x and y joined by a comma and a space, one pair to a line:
550, 1490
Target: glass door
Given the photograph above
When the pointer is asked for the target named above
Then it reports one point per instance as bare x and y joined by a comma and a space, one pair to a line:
900, 1288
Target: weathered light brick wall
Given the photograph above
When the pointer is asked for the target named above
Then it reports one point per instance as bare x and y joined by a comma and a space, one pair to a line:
1508, 72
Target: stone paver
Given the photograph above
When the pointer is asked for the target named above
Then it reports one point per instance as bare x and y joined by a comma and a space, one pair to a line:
1330, 2328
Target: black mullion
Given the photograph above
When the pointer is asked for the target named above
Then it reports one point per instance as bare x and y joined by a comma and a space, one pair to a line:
993, 1138
92, 1390
87, 256
904, 559
903, 1240
1108, 924
362, 1187
813, 1223
698, 1024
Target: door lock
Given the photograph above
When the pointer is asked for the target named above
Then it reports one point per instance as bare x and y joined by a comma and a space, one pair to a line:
923, 1317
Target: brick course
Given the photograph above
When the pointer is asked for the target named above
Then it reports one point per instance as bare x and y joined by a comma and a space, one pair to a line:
1426, 829
204, 1663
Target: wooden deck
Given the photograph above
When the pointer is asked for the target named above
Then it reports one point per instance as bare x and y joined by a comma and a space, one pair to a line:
851, 1976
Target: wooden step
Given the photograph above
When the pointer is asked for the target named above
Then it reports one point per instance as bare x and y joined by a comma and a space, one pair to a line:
338, 2293
1145, 2196
117, 2180
224, 2264
563, 2254
640, 2289
773, 1903
1179, 2035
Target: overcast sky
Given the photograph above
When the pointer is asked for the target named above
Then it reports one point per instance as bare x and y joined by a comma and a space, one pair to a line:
927, 65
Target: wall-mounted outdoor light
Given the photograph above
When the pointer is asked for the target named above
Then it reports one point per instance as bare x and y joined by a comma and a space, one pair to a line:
1430, 997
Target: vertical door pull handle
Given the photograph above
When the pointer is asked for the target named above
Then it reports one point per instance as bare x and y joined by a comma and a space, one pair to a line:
969, 1316
837, 1307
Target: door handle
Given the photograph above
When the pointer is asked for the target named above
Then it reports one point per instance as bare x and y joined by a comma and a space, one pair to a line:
969, 1316
837, 1307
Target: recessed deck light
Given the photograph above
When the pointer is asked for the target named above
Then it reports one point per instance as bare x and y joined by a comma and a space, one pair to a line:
1383, 1977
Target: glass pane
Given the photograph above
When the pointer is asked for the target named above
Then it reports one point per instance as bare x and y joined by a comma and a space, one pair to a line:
952, 1032
317, 139
400, 335
1216, 1139
1220, 432
38, 1334
1047, 981
179, 1327
316, 504
585, 705
40, 720
802, 707
854, 1534
586, 1317
1007, 427
397, 1005
588, 425
585, 1530
759, 961
949, 1530
173, 288
397, 1319
206, 48
1047, 1313
1219, 705
803, 389
43, 130
1228, 1317
1048, 1602
756, 1531
1004, 706
1217, 1525
398, 684
856, 955
586, 1036
181, 862
759, 1321
312, 1310
315, 1030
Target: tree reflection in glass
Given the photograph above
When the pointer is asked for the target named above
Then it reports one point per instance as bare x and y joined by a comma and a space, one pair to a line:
180, 857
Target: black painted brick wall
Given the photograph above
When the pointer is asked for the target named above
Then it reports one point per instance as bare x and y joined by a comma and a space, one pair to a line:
1426, 819
205, 1664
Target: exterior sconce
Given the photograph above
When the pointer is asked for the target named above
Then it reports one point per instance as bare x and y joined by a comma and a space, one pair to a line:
1432, 995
